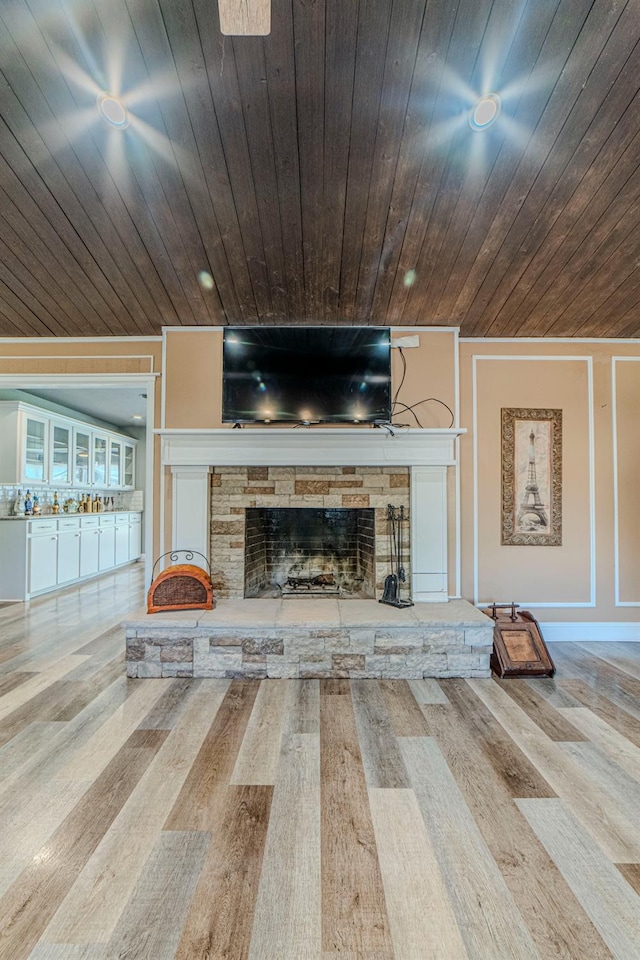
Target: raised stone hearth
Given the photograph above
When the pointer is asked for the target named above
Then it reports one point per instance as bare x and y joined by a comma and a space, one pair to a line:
327, 638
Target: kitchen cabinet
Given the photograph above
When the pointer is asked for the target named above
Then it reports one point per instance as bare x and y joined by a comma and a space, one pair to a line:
107, 543
47, 450
89, 546
41, 554
81, 457
99, 460
115, 463
122, 538
135, 536
68, 568
34, 463
61, 438
129, 466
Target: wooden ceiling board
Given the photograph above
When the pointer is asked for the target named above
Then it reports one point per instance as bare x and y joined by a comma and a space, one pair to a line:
217, 204
607, 181
324, 173
534, 36
80, 179
138, 29
556, 136
437, 160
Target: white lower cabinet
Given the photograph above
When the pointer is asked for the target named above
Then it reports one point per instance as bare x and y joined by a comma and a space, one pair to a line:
68, 555
135, 537
89, 547
39, 555
123, 527
43, 554
107, 544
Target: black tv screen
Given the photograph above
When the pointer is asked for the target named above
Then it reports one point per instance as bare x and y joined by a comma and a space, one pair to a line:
306, 375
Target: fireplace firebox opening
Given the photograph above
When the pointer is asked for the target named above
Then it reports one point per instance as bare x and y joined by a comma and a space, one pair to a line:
300, 552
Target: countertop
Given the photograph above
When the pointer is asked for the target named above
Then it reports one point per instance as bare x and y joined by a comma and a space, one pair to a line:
59, 516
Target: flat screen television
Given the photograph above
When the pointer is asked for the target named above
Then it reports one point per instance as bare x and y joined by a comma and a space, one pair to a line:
306, 375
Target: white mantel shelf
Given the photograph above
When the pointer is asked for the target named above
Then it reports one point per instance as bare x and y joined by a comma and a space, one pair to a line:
314, 446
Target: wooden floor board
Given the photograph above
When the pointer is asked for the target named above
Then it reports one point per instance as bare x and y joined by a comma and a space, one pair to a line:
100, 893
221, 914
152, 921
381, 757
258, 756
422, 919
354, 916
618, 837
287, 921
308, 820
557, 923
606, 897
490, 923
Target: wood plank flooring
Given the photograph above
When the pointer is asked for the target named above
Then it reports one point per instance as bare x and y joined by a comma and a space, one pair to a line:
309, 820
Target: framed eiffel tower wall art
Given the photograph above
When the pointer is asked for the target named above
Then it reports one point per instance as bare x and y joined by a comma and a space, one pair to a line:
531, 477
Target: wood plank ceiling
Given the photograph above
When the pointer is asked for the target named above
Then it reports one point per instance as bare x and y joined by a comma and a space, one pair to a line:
325, 173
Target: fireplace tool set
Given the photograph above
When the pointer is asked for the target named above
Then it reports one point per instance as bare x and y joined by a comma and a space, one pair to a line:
392, 582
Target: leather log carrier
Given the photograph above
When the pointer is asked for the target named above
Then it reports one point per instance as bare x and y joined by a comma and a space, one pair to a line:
181, 586
518, 647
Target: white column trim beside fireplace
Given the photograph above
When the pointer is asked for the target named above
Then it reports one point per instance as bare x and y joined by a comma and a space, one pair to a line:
190, 509
429, 534
192, 453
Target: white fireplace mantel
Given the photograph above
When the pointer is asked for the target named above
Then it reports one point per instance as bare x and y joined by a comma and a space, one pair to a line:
192, 453
313, 447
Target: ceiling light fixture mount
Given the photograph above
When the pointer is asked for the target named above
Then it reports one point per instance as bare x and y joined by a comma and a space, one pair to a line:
485, 113
113, 111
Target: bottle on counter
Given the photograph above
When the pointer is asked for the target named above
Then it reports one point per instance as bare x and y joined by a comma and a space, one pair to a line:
56, 506
36, 505
28, 504
18, 505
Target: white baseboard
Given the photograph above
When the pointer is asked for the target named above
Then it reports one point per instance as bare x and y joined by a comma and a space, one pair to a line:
614, 632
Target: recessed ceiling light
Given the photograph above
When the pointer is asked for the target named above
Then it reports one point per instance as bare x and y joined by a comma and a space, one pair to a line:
113, 111
137, 416
485, 112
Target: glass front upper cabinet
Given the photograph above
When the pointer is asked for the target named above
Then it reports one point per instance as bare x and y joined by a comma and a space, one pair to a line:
82, 458
129, 465
99, 461
60, 453
115, 463
35, 449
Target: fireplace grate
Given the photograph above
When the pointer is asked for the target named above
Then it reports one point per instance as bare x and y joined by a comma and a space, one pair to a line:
313, 586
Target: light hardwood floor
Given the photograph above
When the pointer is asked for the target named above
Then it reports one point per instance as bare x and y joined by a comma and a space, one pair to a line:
328, 820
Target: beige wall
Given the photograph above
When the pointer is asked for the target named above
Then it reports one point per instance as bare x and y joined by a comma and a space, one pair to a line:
557, 583
537, 575
193, 371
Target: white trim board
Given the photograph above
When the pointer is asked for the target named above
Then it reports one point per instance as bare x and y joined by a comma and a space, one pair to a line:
58, 340
592, 501
573, 340
414, 329
616, 518
605, 632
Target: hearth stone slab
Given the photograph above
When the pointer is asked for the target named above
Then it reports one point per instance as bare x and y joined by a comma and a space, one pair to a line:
333, 639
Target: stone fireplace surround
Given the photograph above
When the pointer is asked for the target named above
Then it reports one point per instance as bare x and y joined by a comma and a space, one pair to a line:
234, 490
315, 638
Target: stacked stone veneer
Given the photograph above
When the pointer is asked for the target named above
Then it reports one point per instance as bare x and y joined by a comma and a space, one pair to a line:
234, 489
453, 648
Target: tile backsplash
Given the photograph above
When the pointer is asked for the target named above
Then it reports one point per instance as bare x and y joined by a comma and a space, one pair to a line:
123, 500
